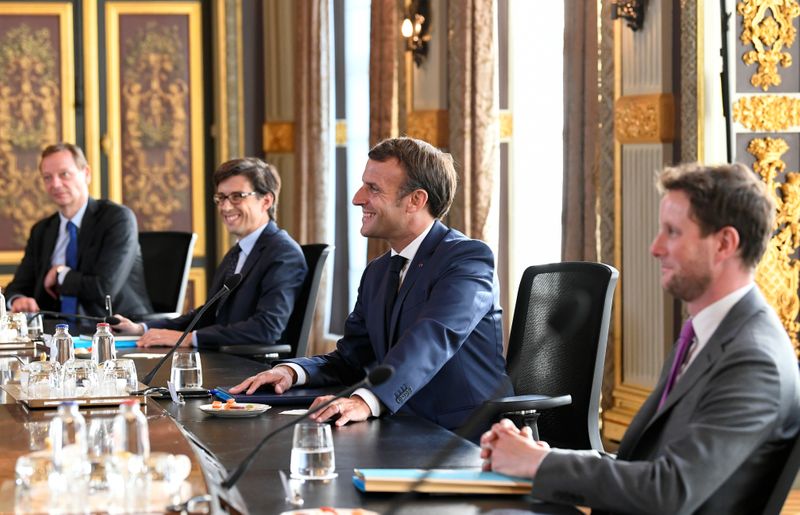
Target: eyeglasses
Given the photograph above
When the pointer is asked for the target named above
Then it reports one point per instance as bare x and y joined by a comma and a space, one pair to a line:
236, 198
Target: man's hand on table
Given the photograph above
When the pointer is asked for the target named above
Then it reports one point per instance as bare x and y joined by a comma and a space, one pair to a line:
352, 409
281, 378
163, 338
512, 451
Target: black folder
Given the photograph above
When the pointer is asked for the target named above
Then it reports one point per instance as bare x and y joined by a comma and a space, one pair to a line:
295, 396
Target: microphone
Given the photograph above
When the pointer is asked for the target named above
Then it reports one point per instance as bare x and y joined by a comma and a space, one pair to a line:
378, 375
230, 283
55, 314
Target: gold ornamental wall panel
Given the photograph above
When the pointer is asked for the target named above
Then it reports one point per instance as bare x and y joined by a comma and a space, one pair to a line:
155, 114
37, 108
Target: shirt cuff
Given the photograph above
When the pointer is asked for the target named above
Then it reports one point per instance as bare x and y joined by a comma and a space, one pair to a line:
372, 401
194, 339
302, 377
62, 274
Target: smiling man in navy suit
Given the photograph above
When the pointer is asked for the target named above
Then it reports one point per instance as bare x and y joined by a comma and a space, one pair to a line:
428, 307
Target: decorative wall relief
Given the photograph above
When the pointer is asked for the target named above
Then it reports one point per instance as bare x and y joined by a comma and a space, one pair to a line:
155, 133
778, 273
644, 118
767, 25
767, 113
36, 109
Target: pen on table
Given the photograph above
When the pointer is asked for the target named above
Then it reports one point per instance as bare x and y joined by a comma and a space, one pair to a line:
222, 395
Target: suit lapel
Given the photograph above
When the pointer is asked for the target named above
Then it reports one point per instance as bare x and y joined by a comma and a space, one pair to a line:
415, 270
87, 227
49, 244
258, 248
709, 354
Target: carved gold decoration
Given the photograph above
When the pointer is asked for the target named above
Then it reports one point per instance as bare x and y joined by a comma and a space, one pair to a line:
506, 125
644, 118
29, 102
429, 125
155, 129
341, 133
769, 36
279, 137
196, 293
767, 113
778, 273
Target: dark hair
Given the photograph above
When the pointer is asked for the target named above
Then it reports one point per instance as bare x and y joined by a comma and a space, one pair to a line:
726, 195
427, 168
263, 176
74, 150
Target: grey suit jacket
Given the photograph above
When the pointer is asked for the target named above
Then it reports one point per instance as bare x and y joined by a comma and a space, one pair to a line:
720, 440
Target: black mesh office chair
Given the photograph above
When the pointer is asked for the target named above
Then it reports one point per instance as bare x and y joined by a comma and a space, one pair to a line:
294, 341
167, 258
556, 352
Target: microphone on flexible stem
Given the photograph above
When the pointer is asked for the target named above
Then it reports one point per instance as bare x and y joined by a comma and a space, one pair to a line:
378, 375
230, 283
55, 314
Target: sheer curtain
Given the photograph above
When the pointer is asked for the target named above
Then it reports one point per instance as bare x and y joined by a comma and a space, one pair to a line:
581, 123
473, 129
312, 137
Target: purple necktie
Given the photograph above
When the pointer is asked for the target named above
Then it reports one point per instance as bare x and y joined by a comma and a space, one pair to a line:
684, 340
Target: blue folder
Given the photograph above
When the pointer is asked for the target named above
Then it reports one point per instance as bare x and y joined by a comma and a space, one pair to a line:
295, 396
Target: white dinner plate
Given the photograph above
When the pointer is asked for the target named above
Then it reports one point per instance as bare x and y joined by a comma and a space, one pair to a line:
254, 411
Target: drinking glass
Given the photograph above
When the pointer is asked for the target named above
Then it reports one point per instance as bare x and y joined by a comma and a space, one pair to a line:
99, 452
170, 470
80, 378
43, 379
35, 327
34, 467
119, 377
312, 452
187, 371
21, 324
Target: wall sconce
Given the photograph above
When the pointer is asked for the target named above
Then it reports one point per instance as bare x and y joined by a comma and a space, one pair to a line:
631, 11
416, 28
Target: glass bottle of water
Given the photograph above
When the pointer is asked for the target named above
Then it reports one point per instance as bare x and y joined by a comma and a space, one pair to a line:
130, 444
62, 348
103, 346
71, 467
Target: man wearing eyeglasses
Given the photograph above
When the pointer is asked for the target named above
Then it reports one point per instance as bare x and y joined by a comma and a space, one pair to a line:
85, 251
271, 263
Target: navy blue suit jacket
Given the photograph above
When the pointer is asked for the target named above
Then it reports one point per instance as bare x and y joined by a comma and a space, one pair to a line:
109, 262
258, 310
448, 354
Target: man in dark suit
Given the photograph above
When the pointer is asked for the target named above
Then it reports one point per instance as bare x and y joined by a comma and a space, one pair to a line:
85, 251
271, 263
713, 435
428, 307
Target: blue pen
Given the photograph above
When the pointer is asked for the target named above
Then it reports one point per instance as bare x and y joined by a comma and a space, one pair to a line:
222, 395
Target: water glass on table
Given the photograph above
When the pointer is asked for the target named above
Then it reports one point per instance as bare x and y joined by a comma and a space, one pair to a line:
312, 452
42, 380
119, 377
35, 327
187, 371
80, 378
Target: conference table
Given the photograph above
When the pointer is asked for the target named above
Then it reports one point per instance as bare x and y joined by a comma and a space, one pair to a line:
217, 445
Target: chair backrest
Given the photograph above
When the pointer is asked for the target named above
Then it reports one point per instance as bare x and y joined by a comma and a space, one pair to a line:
299, 326
167, 258
557, 346
785, 480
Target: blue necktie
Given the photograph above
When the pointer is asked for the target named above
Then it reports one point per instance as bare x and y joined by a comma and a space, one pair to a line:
392, 285
69, 303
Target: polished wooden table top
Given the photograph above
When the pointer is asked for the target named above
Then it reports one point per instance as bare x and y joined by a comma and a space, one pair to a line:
221, 443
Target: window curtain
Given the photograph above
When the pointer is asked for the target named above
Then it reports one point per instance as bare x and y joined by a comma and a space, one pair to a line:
473, 118
581, 124
312, 138
384, 84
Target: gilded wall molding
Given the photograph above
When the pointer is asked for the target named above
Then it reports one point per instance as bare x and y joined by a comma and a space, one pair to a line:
767, 113
645, 118
196, 294
768, 35
341, 133
506, 123
279, 137
778, 272
430, 125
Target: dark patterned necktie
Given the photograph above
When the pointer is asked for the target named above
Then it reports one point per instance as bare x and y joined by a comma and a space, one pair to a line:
69, 303
684, 341
228, 268
392, 285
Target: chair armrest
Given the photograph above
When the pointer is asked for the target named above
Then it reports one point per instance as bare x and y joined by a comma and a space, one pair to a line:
528, 402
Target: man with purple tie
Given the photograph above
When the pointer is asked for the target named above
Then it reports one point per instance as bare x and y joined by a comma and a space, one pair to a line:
713, 435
